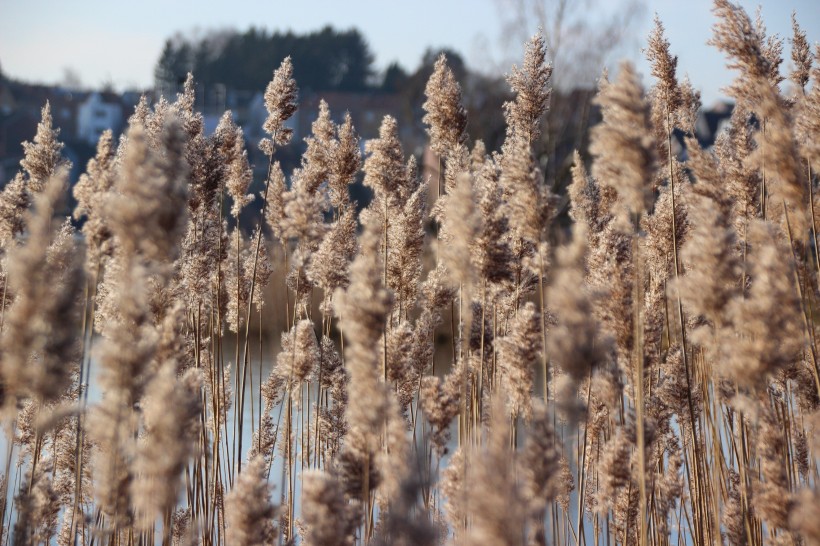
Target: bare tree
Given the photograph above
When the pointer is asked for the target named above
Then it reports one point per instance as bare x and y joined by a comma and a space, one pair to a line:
578, 45
71, 79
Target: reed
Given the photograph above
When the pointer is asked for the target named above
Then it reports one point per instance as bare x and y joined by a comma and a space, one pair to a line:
647, 375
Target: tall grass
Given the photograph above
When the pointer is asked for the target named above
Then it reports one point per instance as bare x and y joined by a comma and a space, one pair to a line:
648, 377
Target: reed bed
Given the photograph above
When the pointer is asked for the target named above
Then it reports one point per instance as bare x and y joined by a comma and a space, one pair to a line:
648, 376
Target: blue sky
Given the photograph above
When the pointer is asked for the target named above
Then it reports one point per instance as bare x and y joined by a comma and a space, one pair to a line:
111, 41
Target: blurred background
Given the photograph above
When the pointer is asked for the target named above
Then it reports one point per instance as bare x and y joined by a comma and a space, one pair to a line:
93, 60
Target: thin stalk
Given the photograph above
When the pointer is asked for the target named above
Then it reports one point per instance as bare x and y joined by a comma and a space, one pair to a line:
638, 366
387, 318
366, 495
259, 400
88, 332
10, 431
3, 302
763, 196
544, 364
239, 388
813, 220
800, 296
318, 404
582, 468
240, 395
676, 261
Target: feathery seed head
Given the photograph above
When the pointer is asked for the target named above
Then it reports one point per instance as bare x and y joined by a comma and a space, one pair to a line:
239, 174
40, 334
345, 164
15, 200
146, 210
329, 519
42, 157
90, 192
446, 118
664, 66
280, 100
801, 56
384, 168
299, 356
531, 85
518, 354
249, 510
622, 142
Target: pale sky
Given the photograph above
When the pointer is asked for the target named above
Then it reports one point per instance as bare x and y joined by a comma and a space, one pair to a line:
118, 42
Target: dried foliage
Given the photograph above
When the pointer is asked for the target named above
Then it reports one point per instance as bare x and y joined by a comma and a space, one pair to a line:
484, 378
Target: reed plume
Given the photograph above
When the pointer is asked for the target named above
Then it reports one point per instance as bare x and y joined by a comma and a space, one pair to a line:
405, 246
345, 164
41, 333
239, 175
517, 356
90, 192
43, 156
546, 473
14, 202
770, 316
801, 57
495, 501
329, 267
407, 412
622, 145
528, 201
249, 510
171, 415
530, 83
298, 358
143, 221
363, 309
491, 249
446, 118
384, 169
329, 519
441, 401
280, 100
806, 117
576, 343
317, 159
37, 508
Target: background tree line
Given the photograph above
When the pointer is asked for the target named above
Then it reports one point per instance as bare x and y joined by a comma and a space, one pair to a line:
323, 60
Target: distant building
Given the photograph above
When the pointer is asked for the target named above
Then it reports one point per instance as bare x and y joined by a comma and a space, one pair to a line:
32, 97
98, 113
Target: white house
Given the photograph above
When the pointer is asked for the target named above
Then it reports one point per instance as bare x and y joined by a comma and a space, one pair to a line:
95, 115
